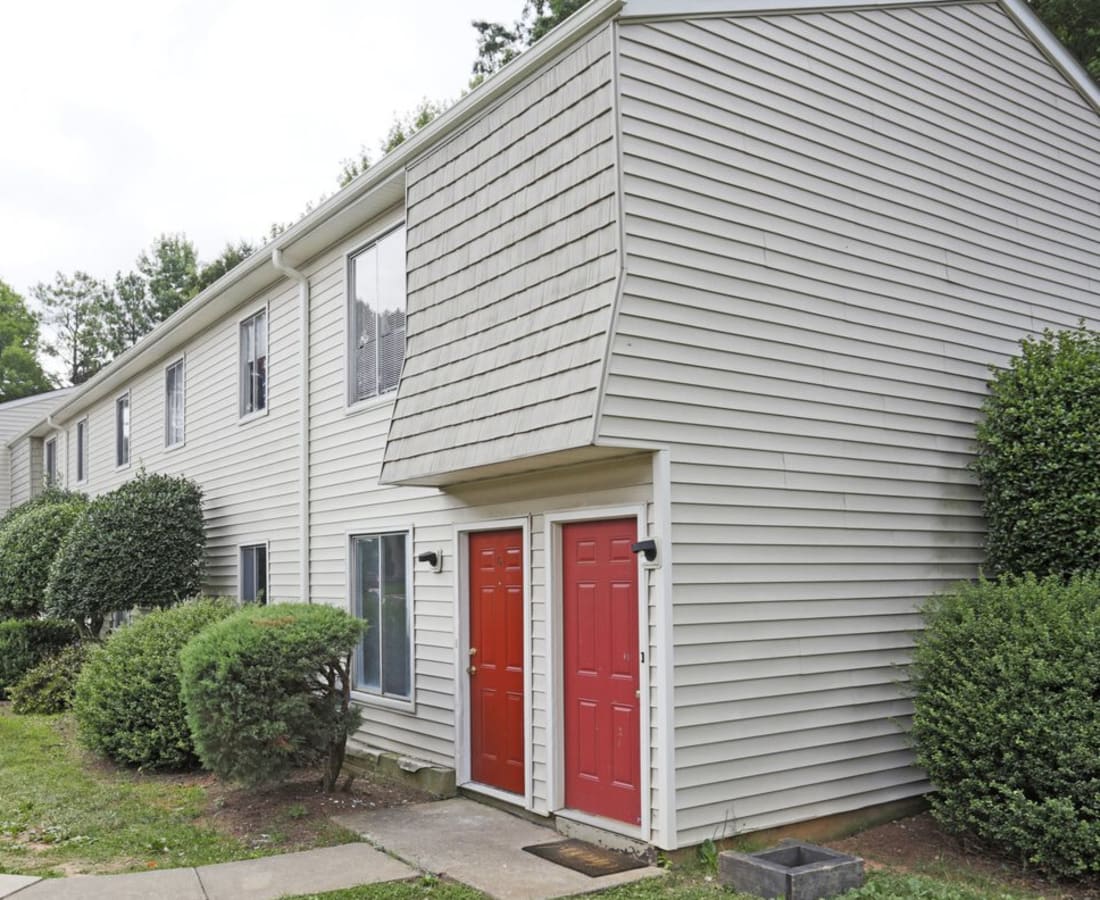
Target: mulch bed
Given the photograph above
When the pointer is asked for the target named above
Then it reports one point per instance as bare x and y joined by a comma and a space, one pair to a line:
919, 845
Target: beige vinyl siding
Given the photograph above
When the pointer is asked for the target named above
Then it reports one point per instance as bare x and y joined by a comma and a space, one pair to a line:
16, 417
511, 276
346, 498
835, 222
21, 479
248, 469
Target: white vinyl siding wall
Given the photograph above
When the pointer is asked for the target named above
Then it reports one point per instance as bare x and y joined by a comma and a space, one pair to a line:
346, 499
511, 275
835, 223
248, 470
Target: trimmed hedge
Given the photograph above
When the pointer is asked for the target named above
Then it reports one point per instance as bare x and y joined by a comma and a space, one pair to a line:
49, 687
127, 703
51, 494
1007, 717
269, 689
141, 545
24, 643
28, 545
1037, 452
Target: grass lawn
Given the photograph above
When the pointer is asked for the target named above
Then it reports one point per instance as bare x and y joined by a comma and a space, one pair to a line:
62, 813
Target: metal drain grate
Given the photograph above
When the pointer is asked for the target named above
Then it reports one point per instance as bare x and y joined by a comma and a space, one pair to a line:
588, 859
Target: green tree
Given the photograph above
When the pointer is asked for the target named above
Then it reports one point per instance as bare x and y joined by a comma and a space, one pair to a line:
232, 256
21, 373
76, 307
129, 313
1076, 23
171, 272
498, 44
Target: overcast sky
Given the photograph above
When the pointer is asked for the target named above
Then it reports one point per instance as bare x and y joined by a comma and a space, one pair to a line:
123, 119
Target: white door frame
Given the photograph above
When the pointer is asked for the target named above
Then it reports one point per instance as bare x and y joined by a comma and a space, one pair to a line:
555, 725
462, 659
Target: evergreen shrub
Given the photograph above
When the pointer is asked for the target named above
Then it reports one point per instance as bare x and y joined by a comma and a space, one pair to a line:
269, 689
49, 687
28, 545
1007, 717
128, 705
142, 545
24, 643
1037, 452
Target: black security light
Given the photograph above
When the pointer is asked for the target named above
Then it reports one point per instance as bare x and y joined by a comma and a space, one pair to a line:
648, 547
430, 557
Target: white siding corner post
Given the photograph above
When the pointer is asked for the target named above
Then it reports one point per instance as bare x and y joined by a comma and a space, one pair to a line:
303, 401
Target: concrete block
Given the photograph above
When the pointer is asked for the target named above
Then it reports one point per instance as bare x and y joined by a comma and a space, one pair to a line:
794, 870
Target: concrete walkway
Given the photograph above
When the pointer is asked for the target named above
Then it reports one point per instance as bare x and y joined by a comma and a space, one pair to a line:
479, 846
466, 841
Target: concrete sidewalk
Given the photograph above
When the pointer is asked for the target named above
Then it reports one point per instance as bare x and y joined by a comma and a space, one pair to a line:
479, 846
309, 872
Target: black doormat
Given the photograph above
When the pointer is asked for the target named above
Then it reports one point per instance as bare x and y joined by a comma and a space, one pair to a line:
588, 859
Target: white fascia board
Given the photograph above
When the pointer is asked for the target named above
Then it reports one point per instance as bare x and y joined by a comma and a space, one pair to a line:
370, 194
1054, 50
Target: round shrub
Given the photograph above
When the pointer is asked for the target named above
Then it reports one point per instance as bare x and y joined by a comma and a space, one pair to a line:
1007, 716
141, 545
24, 643
48, 688
1037, 453
51, 494
127, 702
28, 545
269, 689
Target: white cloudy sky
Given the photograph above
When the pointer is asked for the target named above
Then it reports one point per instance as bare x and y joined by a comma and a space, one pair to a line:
122, 119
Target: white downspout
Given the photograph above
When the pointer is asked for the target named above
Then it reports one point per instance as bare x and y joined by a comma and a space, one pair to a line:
303, 394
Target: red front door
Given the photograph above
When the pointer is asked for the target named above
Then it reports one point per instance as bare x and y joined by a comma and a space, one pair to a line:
496, 659
600, 625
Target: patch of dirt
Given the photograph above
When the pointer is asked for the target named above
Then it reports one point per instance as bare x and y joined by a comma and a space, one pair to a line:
294, 815
920, 846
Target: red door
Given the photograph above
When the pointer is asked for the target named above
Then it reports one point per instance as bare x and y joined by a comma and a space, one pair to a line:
600, 626
496, 659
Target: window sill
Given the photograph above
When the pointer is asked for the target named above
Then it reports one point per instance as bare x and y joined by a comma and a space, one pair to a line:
253, 416
171, 448
407, 706
371, 404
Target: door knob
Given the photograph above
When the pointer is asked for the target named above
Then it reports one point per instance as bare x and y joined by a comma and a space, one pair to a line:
471, 670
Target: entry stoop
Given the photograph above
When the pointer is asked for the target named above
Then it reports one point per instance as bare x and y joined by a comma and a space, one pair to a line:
362, 759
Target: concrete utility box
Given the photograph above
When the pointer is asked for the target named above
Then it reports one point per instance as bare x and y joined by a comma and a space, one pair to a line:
794, 870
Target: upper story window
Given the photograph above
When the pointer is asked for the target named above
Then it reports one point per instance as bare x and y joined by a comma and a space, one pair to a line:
82, 450
122, 430
254, 363
51, 461
376, 291
173, 404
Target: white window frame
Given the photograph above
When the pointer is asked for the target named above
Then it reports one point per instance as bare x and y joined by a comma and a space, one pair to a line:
352, 400
244, 414
83, 454
253, 545
168, 444
405, 704
121, 463
49, 461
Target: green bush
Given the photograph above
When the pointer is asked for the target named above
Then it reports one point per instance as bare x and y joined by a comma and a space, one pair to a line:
24, 643
28, 544
48, 688
1007, 716
1037, 452
141, 545
128, 704
51, 494
269, 689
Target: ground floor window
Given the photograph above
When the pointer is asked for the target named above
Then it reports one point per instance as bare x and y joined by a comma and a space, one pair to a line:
381, 596
254, 574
